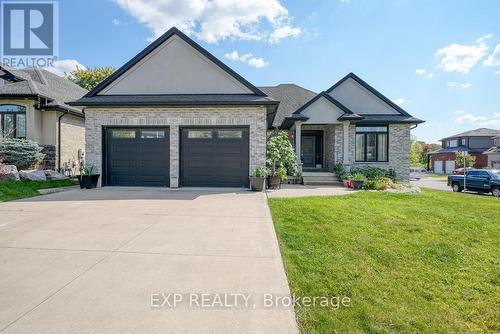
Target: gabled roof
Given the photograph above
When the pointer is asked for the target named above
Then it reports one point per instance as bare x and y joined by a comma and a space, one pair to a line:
36, 82
290, 96
370, 89
160, 41
481, 132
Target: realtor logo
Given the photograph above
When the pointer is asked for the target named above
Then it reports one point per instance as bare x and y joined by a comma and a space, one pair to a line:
29, 32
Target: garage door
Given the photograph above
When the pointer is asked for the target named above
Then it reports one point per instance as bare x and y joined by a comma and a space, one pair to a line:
496, 165
438, 167
450, 166
214, 157
137, 157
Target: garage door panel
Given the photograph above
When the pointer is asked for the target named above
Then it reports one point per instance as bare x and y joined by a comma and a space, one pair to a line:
214, 161
136, 161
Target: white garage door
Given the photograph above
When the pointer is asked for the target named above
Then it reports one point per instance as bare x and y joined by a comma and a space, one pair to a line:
450, 166
438, 167
496, 165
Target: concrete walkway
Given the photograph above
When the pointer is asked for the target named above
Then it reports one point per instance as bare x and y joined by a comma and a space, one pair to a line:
98, 261
298, 190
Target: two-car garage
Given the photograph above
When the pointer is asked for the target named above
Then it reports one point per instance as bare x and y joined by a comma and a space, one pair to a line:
209, 157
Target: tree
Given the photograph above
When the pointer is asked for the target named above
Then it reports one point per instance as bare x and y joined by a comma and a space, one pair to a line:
280, 154
90, 78
415, 153
22, 153
459, 159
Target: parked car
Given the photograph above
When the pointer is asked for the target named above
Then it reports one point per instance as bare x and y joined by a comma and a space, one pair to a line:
416, 173
460, 171
480, 180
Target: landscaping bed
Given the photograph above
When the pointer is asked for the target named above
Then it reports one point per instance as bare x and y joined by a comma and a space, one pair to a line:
10, 190
422, 263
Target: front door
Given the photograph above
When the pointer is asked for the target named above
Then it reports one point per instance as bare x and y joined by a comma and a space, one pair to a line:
309, 151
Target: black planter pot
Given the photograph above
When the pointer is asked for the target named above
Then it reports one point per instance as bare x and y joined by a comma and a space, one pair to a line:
88, 181
357, 184
273, 182
257, 183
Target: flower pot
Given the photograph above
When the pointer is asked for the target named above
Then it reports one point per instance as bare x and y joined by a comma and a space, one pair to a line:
257, 183
88, 181
273, 182
346, 183
357, 184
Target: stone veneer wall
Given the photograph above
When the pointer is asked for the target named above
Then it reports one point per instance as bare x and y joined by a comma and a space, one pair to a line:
49, 161
72, 140
254, 117
329, 137
399, 151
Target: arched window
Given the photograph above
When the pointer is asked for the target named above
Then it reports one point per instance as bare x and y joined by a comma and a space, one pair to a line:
13, 121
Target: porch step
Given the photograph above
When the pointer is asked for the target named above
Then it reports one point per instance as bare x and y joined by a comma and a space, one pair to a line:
320, 178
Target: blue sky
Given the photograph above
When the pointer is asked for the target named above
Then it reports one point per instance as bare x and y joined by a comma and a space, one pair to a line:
436, 58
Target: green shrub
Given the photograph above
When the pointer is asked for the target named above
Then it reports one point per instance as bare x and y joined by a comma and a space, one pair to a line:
282, 174
374, 172
280, 154
381, 183
22, 153
359, 177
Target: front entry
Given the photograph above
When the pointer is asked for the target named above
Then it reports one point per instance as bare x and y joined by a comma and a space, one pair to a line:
312, 149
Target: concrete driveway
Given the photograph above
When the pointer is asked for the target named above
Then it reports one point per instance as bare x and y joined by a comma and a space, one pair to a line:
105, 261
436, 183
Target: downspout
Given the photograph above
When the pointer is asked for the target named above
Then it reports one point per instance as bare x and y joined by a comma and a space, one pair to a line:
59, 140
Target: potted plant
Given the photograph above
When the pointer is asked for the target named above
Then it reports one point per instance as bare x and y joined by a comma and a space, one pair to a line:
358, 179
273, 180
257, 179
88, 179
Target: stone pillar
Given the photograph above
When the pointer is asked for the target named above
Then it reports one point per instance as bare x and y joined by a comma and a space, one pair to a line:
298, 137
345, 150
174, 156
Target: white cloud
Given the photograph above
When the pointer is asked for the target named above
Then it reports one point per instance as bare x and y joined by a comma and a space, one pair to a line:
65, 66
423, 72
247, 58
497, 72
215, 20
283, 32
477, 120
458, 85
483, 38
399, 101
459, 112
461, 58
494, 58
117, 22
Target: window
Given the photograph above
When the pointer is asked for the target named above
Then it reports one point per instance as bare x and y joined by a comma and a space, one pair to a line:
372, 144
13, 121
230, 134
453, 143
152, 134
123, 134
200, 134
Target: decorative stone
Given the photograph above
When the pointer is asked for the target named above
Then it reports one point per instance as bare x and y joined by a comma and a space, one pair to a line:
33, 175
53, 175
9, 173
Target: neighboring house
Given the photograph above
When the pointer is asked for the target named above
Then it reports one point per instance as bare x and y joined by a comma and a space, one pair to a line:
350, 123
174, 115
32, 106
474, 142
493, 154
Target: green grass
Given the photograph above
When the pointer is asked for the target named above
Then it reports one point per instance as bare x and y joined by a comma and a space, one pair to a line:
425, 263
11, 190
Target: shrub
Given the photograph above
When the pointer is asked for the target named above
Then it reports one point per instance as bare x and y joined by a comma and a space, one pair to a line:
282, 174
258, 172
280, 154
20, 152
381, 183
359, 177
374, 172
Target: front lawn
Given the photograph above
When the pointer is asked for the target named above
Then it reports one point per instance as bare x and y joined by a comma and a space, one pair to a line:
11, 190
425, 263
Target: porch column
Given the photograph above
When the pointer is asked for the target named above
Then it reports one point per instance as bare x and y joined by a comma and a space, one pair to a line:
345, 150
298, 126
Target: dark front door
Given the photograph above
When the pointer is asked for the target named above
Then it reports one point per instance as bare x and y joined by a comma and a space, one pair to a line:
215, 157
309, 151
137, 157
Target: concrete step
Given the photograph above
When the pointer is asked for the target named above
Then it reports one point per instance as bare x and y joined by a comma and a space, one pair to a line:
304, 174
317, 178
323, 183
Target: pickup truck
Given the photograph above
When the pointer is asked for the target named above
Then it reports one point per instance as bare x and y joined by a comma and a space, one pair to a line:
480, 180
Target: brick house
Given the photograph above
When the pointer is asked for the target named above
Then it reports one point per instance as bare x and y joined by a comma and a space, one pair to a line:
175, 115
474, 142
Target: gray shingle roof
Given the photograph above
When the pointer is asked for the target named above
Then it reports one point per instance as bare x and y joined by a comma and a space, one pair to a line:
291, 98
481, 132
37, 81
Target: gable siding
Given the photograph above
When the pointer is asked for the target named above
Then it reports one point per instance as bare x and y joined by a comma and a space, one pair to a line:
175, 68
322, 111
359, 100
